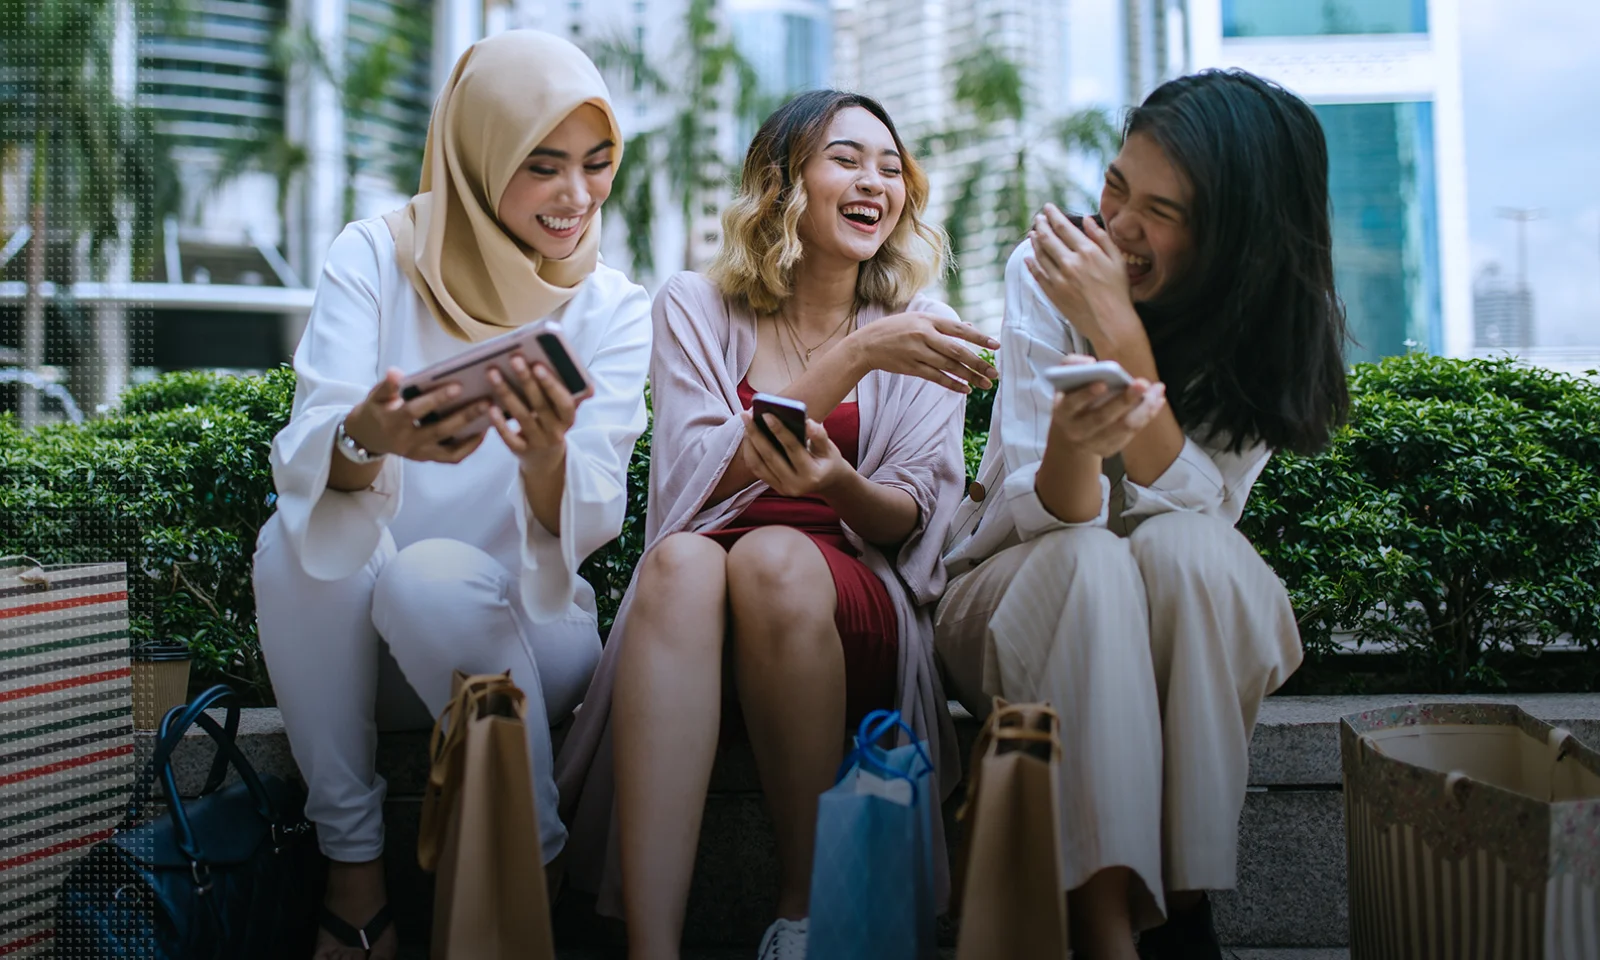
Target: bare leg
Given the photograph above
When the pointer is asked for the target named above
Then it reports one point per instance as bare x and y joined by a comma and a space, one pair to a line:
789, 667
1102, 928
665, 713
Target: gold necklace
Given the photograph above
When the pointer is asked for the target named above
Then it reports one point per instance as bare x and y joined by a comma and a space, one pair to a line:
801, 344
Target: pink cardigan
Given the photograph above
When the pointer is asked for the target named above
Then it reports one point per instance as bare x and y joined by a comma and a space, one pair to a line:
910, 439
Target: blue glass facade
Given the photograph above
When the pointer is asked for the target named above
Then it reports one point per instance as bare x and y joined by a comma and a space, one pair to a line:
1301, 18
790, 51
1385, 224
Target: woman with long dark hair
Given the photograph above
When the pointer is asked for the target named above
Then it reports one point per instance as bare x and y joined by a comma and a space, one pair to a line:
1095, 563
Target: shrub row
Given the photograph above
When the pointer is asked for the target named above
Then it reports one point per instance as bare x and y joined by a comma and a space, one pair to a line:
1454, 523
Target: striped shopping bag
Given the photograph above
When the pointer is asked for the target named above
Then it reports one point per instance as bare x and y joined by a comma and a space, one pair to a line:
66, 733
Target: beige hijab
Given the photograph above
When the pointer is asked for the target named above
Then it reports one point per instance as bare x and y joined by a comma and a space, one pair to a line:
506, 94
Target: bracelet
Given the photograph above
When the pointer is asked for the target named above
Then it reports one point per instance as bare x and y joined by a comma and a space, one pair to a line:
354, 452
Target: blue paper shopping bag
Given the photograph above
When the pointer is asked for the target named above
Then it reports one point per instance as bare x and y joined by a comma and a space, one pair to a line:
872, 875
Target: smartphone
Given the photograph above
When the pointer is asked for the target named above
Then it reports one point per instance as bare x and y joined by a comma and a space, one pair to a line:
790, 413
539, 342
1071, 376
1077, 220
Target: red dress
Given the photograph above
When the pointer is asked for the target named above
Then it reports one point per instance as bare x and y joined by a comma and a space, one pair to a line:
864, 615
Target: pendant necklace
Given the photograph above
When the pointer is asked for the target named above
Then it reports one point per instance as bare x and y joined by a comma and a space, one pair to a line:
800, 345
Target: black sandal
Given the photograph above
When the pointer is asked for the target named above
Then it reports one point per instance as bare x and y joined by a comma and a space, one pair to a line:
349, 936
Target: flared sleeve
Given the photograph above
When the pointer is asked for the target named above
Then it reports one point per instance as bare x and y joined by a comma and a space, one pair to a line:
334, 532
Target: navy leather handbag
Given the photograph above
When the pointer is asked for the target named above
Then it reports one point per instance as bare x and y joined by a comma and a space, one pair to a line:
233, 873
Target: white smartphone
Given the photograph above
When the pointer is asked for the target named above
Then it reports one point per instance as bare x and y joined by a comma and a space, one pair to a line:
1071, 376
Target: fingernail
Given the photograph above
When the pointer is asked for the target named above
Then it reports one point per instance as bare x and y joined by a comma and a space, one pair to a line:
454, 390
494, 375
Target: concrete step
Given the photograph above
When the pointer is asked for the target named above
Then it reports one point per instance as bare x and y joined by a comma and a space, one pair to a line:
1291, 891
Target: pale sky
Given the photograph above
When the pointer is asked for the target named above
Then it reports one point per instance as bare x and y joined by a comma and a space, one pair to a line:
1531, 75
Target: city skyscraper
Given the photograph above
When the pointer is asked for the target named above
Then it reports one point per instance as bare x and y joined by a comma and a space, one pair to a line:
1385, 79
1502, 312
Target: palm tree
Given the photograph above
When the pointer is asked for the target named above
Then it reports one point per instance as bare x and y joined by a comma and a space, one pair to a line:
95, 161
271, 150
695, 82
1016, 167
362, 84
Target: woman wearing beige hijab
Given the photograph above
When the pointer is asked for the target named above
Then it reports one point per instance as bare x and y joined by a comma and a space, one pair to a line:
394, 559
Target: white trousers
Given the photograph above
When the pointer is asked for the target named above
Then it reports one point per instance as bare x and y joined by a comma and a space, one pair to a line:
434, 607
1157, 650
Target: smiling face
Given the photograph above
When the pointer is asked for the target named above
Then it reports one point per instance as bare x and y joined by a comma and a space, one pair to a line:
560, 186
854, 189
1146, 203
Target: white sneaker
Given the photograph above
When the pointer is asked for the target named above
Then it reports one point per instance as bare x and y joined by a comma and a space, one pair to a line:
784, 940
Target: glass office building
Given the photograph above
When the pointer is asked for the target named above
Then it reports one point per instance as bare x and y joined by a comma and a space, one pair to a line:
1304, 18
1385, 223
788, 42
1381, 125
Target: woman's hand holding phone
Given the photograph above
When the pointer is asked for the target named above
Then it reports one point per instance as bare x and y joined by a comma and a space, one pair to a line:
791, 468
540, 406
386, 423
1097, 420
924, 345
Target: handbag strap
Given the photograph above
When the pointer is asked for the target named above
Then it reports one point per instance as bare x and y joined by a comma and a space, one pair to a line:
265, 807
145, 783
174, 726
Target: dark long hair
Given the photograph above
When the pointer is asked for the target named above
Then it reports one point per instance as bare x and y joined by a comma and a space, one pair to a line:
1250, 339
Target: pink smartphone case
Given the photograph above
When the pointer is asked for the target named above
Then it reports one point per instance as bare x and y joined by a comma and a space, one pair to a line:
470, 369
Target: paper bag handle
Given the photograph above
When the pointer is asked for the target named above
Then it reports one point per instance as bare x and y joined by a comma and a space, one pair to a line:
993, 732
449, 734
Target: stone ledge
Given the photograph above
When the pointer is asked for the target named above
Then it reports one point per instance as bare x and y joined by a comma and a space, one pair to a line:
1296, 741
1291, 890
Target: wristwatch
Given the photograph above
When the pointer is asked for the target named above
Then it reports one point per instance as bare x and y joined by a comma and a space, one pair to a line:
354, 452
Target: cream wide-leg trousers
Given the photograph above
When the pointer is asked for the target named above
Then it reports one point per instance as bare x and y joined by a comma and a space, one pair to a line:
377, 649
1156, 649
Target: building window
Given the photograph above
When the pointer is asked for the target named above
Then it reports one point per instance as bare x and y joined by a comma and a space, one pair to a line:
1300, 18
1385, 224
385, 136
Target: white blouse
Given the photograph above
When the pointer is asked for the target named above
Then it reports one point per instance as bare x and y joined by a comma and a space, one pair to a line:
367, 318
1035, 336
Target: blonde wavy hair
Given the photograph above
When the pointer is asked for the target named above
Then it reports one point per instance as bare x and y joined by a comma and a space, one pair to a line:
760, 228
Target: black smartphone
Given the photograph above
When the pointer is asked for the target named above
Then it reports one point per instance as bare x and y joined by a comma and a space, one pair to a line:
1077, 220
791, 413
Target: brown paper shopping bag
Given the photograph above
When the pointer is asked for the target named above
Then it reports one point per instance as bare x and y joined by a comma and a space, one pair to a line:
1473, 830
480, 830
1009, 882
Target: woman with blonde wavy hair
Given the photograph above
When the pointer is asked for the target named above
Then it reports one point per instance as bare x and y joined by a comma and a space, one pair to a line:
806, 567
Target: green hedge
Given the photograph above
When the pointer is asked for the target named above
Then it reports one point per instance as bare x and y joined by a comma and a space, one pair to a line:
1454, 523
